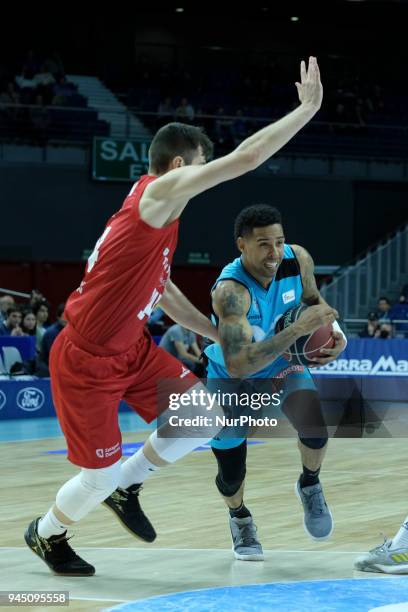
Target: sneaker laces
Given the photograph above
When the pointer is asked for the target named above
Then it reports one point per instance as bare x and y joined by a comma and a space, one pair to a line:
134, 490
124, 494
60, 550
317, 502
130, 498
382, 547
120, 495
247, 535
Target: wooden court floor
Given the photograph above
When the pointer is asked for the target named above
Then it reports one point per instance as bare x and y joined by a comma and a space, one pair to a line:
365, 482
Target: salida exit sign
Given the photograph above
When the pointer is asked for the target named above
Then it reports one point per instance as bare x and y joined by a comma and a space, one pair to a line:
119, 160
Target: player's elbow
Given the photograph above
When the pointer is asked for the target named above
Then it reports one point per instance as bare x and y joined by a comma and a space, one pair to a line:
249, 157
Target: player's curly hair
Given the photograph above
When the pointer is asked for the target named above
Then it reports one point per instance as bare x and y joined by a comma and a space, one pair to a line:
177, 139
258, 215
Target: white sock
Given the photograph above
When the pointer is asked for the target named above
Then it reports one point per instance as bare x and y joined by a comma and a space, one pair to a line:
49, 525
400, 540
136, 469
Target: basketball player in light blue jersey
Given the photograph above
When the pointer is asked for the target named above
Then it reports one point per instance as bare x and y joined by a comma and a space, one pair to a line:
248, 298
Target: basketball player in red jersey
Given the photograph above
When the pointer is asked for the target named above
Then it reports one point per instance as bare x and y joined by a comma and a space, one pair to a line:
105, 353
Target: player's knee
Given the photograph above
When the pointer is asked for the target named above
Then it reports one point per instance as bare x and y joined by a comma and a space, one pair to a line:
229, 487
103, 481
231, 469
77, 497
314, 443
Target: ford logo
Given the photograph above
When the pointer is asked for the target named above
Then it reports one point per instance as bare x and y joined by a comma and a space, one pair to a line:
30, 399
3, 399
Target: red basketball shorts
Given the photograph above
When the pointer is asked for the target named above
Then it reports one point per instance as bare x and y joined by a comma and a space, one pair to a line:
87, 387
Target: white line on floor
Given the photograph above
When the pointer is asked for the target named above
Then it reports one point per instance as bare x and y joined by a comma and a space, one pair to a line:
112, 599
275, 550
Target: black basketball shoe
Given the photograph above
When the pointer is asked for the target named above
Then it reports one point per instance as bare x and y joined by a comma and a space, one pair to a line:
56, 553
125, 504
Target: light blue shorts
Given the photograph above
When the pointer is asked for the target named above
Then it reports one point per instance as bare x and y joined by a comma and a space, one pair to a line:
297, 378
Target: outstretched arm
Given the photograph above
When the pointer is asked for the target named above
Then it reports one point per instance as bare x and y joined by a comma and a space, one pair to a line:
182, 311
165, 198
231, 302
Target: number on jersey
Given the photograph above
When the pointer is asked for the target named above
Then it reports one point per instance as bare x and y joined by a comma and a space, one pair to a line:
93, 258
147, 311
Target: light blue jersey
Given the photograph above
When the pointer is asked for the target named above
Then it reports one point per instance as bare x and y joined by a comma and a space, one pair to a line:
267, 306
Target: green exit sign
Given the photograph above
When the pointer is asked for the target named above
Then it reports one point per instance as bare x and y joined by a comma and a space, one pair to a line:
119, 160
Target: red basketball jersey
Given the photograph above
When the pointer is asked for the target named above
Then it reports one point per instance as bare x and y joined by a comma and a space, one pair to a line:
125, 277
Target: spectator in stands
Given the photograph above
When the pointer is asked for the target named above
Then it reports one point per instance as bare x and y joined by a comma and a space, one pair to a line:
185, 111
29, 323
383, 306
399, 312
41, 311
28, 328
6, 302
36, 296
156, 323
259, 86
182, 343
371, 326
385, 330
48, 340
11, 326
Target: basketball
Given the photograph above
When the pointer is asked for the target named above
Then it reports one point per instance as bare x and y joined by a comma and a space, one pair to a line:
309, 346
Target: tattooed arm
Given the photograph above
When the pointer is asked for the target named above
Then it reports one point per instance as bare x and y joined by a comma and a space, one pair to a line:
231, 302
311, 294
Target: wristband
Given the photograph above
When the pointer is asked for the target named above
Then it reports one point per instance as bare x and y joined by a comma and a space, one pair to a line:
337, 328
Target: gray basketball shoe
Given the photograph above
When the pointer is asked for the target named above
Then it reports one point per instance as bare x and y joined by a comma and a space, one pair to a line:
382, 559
318, 520
245, 544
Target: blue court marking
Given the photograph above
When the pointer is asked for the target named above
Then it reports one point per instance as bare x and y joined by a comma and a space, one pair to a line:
131, 447
317, 596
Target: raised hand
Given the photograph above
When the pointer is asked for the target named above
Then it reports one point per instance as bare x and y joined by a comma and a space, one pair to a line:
310, 89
